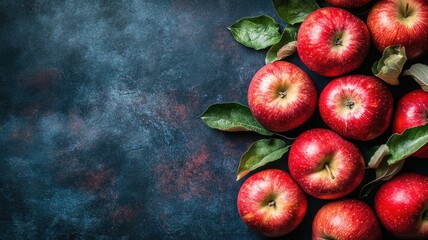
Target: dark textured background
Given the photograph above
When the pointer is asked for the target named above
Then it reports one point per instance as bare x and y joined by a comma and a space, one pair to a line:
99, 133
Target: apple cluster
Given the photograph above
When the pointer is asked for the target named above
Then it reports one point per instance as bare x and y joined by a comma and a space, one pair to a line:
325, 163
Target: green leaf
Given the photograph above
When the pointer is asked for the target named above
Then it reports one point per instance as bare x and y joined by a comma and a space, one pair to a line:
419, 72
232, 117
399, 146
256, 32
294, 11
288, 36
389, 67
403, 145
260, 153
388, 159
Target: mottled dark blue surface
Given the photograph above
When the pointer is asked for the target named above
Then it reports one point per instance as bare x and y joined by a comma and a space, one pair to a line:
99, 133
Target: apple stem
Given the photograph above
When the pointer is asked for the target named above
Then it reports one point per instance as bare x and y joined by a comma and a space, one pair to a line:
406, 14
329, 171
271, 203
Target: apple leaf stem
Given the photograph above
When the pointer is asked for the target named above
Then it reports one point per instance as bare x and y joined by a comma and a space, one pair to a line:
329, 171
283, 136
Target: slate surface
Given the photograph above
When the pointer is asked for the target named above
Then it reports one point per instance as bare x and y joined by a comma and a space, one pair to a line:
99, 133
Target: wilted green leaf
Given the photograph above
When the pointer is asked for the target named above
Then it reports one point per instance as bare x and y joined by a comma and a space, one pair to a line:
260, 153
294, 11
389, 67
289, 35
419, 72
256, 32
232, 117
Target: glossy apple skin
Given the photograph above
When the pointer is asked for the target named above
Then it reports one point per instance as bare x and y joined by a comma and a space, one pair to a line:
389, 27
281, 96
349, 4
316, 148
332, 41
346, 219
402, 206
357, 107
412, 111
271, 220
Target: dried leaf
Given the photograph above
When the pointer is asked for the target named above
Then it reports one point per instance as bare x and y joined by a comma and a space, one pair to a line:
378, 156
389, 67
419, 72
287, 50
289, 35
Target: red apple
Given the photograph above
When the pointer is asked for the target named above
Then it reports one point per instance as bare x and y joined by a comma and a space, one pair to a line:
412, 111
271, 203
324, 164
357, 106
346, 219
349, 4
404, 22
281, 96
402, 206
332, 41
